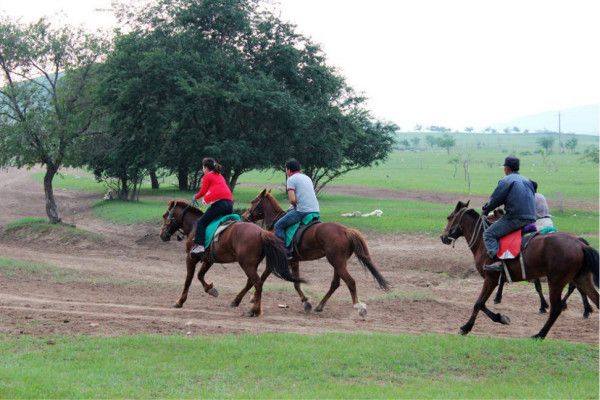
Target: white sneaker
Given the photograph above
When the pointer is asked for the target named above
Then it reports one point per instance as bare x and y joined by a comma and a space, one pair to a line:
197, 249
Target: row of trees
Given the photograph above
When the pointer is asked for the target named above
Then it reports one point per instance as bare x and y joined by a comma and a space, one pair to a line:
220, 78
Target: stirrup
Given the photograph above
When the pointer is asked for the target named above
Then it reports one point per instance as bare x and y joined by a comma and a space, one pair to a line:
496, 266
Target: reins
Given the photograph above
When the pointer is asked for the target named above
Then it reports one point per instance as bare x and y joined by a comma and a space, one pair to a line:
480, 226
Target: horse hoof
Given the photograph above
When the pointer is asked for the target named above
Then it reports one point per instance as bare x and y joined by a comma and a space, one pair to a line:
307, 307
542, 311
537, 337
586, 315
319, 309
213, 292
497, 301
177, 305
362, 312
504, 320
463, 332
234, 304
253, 313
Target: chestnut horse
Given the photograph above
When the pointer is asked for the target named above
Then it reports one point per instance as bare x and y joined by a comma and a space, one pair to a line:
242, 242
326, 239
561, 257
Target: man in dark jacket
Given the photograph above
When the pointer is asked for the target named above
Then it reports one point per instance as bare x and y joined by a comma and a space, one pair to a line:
516, 193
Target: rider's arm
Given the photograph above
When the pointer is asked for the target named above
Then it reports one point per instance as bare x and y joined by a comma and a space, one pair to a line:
292, 197
499, 196
206, 182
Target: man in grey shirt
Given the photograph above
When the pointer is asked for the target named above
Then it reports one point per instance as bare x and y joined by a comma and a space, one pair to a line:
543, 219
302, 197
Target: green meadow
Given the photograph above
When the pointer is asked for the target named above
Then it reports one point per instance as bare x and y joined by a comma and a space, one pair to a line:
296, 366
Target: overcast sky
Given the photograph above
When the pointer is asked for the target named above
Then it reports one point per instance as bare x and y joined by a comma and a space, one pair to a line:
451, 63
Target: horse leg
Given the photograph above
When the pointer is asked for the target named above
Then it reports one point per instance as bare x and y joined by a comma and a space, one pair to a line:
585, 284
335, 283
556, 288
498, 298
569, 291
486, 291
253, 275
349, 281
191, 268
295, 269
538, 289
587, 309
238, 299
263, 278
208, 287
496, 317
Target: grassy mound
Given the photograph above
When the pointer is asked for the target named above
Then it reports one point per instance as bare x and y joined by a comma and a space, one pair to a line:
39, 229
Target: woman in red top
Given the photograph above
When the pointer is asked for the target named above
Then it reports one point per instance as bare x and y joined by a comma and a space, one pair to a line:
215, 191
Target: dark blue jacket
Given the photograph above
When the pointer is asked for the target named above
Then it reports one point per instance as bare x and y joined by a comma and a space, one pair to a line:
517, 195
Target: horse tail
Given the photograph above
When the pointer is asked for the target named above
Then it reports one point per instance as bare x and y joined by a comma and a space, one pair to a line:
590, 262
276, 257
359, 246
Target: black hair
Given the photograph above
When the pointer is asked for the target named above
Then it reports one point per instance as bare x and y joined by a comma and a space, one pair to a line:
535, 185
293, 165
211, 164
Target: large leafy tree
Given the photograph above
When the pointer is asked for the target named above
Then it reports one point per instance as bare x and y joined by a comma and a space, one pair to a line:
44, 76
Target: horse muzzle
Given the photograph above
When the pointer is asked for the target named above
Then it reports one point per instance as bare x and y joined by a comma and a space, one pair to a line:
446, 239
165, 237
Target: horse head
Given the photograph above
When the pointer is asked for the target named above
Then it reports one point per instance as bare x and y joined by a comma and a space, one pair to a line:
174, 219
256, 212
454, 228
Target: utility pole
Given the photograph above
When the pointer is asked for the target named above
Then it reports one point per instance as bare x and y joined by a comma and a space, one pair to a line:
560, 146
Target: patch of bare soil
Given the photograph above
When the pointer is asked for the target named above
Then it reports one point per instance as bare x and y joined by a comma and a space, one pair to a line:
128, 285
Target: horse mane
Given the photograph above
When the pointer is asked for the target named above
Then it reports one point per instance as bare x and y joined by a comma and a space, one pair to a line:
191, 210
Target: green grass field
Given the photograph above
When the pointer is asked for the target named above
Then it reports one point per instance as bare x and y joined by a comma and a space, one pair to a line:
296, 366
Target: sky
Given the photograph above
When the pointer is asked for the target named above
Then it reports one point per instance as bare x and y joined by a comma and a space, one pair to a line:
433, 62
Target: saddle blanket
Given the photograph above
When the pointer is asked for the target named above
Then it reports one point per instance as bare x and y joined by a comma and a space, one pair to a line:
510, 245
291, 230
212, 230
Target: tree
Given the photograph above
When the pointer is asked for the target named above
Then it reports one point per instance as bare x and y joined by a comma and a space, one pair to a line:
546, 143
469, 129
591, 154
446, 142
571, 144
45, 71
431, 140
415, 141
418, 127
516, 129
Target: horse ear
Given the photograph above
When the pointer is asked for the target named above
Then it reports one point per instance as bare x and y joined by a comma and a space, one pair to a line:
269, 191
171, 204
264, 191
459, 205
467, 203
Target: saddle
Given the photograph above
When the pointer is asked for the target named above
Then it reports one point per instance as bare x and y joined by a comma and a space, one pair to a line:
293, 235
513, 245
217, 226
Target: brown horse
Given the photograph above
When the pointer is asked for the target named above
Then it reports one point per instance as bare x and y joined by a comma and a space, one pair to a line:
561, 257
327, 239
242, 242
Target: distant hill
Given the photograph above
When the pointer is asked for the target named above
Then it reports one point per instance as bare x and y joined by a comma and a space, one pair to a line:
581, 120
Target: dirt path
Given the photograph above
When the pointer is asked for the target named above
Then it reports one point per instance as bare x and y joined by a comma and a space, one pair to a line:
127, 284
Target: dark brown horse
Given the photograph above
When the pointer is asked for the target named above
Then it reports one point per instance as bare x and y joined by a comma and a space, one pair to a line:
561, 257
587, 309
327, 239
243, 242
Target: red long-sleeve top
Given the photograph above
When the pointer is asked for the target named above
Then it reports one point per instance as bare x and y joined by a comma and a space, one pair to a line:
214, 188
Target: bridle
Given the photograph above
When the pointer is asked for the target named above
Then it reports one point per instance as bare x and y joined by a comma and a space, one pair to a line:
480, 226
252, 219
174, 226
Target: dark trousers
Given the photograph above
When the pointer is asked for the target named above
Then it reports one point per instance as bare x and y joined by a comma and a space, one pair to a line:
504, 226
217, 209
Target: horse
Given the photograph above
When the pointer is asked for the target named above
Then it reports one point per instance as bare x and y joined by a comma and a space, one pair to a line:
587, 309
327, 239
561, 257
243, 242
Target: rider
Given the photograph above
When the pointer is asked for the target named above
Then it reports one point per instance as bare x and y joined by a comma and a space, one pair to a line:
302, 197
543, 219
516, 193
215, 191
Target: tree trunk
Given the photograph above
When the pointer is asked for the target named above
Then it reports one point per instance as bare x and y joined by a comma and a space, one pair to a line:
124, 190
233, 181
182, 177
154, 179
51, 208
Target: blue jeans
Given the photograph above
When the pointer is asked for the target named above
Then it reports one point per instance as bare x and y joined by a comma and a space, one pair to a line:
290, 218
504, 226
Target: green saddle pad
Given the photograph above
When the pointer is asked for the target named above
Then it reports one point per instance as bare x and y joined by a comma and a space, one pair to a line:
212, 227
291, 230
548, 229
